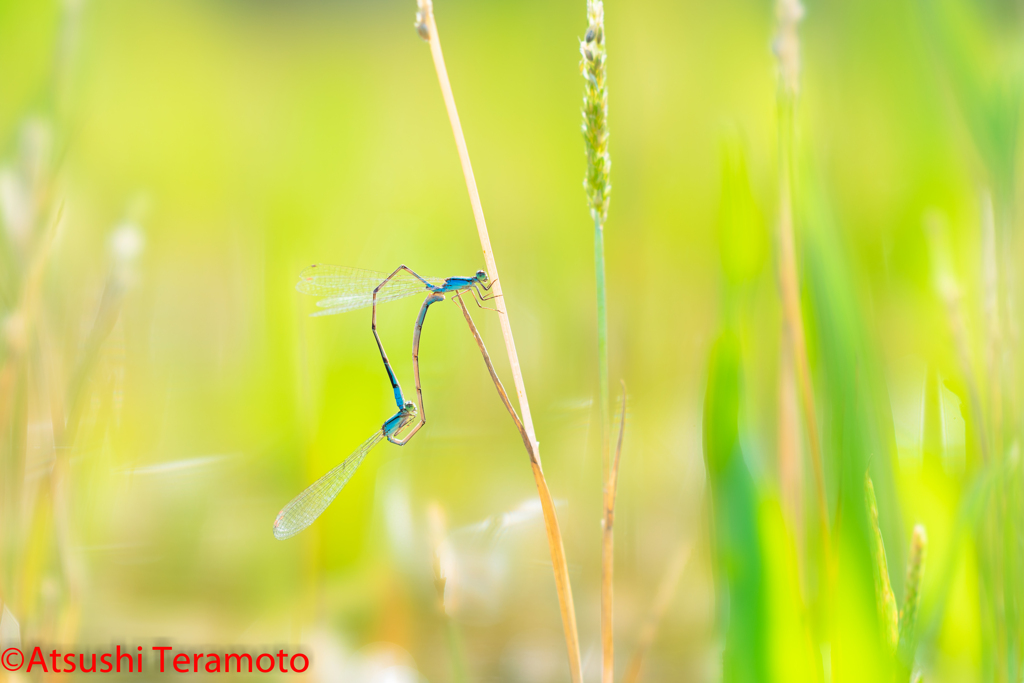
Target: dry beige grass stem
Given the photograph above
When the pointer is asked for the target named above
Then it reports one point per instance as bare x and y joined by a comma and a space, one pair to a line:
427, 28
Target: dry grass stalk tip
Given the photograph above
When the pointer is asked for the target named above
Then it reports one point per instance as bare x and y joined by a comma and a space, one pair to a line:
426, 26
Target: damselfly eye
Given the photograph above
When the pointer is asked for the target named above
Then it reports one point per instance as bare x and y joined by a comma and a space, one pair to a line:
481, 275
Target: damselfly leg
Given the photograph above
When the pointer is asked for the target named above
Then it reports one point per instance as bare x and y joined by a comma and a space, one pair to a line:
417, 331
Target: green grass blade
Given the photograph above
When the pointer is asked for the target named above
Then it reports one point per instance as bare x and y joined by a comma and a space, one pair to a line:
737, 548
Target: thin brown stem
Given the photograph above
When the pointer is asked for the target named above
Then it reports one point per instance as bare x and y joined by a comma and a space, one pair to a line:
790, 479
427, 28
427, 25
794, 322
608, 557
787, 48
554, 534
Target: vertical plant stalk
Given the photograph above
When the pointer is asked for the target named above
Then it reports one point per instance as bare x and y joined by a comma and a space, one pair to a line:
436, 521
955, 316
662, 599
608, 557
888, 617
789, 444
947, 287
990, 287
596, 183
19, 330
945, 283
427, 28
911, 601
933, 427
547, 505
598, 188
559, 564
1001, 553
23, 328
787, 49
67, 408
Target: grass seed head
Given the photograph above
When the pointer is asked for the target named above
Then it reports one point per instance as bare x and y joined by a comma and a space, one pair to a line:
912, 587
888, 616
595, 112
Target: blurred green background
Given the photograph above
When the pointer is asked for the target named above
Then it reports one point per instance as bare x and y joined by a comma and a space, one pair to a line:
203, 153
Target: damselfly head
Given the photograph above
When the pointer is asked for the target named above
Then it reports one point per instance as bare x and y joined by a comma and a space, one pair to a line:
409, 408
481, 276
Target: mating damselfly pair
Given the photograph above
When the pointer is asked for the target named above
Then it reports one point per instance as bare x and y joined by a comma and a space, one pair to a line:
347, 289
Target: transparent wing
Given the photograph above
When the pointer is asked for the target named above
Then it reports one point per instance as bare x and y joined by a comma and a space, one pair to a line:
310, 504
347, 289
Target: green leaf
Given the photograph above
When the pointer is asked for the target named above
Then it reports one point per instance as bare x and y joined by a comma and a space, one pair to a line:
737, 545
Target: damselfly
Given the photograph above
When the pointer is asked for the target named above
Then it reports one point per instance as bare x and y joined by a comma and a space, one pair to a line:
347, 289
310, 504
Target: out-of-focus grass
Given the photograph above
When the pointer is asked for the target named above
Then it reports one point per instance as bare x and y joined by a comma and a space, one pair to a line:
740, 564
260, 137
